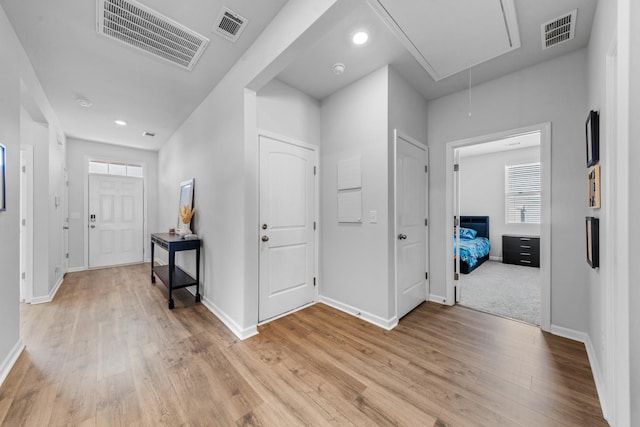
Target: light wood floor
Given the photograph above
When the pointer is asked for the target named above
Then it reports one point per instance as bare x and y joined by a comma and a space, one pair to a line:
107, 351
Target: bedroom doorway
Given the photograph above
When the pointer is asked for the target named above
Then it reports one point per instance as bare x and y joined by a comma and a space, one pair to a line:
499, 231
500, 215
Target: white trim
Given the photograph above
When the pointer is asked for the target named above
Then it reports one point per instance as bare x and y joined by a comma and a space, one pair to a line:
76, 269
302, 307
239, 332
387, 324
10, 360
287, 140
545, 226
598, 377
51, 296
437, 299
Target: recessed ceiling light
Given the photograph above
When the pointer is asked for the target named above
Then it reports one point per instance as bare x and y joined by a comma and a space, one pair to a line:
84, 103
120, 122
360, 37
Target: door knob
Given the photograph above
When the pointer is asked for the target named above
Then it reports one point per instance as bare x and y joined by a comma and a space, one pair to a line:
402, 236
265, 238
93, 226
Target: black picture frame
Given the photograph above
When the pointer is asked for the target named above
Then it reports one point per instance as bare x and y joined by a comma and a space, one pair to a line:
3, 178
593, 241
592, 131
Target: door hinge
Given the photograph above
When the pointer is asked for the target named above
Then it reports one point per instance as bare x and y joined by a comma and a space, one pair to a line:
456, 276
455, 221
314, 225
456, 168
24, 169
426, 275
24, 222
24, 275
67, 256
314, 170
314, 281
426, 222
426, 169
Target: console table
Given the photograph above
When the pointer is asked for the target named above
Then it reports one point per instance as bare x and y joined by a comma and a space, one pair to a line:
173, 276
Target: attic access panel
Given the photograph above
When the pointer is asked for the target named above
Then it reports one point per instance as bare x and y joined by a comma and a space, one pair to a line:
446, 36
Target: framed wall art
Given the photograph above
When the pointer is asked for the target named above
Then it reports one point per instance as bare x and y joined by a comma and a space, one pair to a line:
593, 241
594, 187
3, 178
592, 128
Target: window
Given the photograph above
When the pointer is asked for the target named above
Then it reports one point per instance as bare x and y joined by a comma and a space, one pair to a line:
522, 188
121, 169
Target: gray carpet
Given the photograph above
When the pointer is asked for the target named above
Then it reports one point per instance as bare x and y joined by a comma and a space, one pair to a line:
507, 290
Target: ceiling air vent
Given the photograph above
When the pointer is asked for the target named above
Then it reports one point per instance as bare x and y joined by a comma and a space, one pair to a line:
137, 25
559, 30
229, 24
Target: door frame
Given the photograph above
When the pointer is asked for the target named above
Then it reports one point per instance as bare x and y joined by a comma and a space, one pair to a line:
145, 210
316, 218
545, 226
397, 134
28, 150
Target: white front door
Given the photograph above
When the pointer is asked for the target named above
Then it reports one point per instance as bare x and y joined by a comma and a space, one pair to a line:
287, 236
115, 220
410, 181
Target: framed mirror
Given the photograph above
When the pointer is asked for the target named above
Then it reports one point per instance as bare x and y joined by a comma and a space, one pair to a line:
186, 197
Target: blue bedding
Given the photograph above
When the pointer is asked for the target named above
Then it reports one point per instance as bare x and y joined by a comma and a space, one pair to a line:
472, 249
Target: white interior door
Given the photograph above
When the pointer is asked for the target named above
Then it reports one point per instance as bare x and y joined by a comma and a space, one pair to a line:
287, 236
115, 220
411, 161
26, 226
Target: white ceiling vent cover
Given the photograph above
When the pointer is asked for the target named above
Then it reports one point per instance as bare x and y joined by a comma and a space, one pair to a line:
559, 30
137, 25
229, 24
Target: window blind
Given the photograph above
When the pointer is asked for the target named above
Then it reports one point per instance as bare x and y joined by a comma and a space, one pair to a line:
523, 189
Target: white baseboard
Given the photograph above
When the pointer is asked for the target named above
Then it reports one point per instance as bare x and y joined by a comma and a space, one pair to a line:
387, 324
495, 258
438, 299
52, 294
598, 378
241, 333
10, 360
76, 269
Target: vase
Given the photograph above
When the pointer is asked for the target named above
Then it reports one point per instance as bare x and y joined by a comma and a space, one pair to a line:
184, 230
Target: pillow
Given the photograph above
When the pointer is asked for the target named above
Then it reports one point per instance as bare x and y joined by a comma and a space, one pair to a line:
468, 233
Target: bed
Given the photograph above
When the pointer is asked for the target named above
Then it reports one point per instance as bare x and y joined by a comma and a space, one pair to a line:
474, 242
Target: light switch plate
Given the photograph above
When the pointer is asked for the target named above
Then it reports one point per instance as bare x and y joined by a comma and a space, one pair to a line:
373, 217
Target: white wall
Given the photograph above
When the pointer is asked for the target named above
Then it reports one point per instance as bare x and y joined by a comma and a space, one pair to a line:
634, 202
9, 219
217, 145
15, 67
289, 112
482, 191
78, 152
554, 91
602, 39
354, 263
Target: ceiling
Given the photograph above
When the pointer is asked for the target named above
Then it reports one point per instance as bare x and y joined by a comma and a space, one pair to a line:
74, 62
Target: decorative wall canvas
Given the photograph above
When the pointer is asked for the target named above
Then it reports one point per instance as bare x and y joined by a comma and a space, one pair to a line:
592, 128
3, 178
593, 241
594, 187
